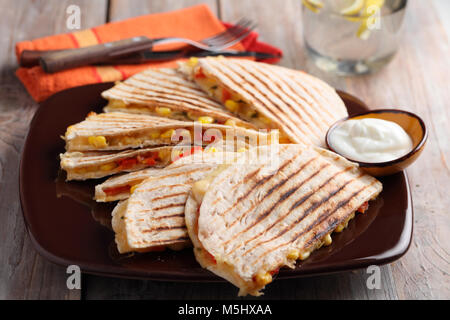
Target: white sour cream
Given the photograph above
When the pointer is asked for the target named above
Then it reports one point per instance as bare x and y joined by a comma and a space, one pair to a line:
370, 140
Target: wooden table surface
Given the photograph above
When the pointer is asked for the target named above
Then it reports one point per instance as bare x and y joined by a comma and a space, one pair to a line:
418, 79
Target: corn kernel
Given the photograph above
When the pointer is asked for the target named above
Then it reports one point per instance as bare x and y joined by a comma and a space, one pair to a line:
97, 141
162, 154
205, 120
163, 111
116, 104
130, 140
230, 122
293, 254
212, 149
231, 105
304, 255
107, 167
327, 240
192, 62
251, 113
339, 228
167, 134
264, 120
80, 170
263, 278
133, 188
154, 135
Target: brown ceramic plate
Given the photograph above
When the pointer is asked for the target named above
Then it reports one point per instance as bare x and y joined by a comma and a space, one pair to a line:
68, 227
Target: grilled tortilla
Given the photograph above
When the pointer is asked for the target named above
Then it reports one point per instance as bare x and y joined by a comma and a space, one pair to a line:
98, 164
119, 187
119, 131
249, 220
302, 107
166, 93
153, 215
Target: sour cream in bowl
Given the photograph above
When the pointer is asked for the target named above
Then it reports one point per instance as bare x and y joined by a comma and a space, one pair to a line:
382, 142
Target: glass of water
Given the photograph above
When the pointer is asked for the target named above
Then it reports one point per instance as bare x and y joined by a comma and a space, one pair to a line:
350, 37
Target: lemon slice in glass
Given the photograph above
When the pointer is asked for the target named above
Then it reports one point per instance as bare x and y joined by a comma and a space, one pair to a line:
313, 5
354, 8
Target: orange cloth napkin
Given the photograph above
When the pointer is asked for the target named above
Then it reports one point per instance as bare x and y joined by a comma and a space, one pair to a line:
196, 23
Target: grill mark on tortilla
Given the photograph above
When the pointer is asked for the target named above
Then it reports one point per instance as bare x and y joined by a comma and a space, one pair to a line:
172, 205
168, 196
236, 84
282, 182
164, 229
283, 197
176, 174
273, 111
170, 241
321, 217
300, 79
288, 101
168, 216
127, 184
173, 82
173, 97
253, 188
179, 90
316, 94
296, 76
310, 109
266, 195
135, 178
311, 208
246, 178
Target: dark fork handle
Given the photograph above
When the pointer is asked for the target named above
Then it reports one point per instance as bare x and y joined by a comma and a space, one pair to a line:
31, 58
58, 60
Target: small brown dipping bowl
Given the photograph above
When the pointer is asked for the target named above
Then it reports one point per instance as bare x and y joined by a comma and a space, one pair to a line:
410, 122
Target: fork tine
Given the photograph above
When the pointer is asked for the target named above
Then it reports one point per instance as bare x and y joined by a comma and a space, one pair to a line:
230, 34
237, 34
233, 42
239, 24
236, 29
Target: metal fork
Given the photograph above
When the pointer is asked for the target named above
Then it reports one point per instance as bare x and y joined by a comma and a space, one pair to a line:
219, 42
52, 61
238, 28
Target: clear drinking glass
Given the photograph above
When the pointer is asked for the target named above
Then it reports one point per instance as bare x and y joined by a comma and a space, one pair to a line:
349, 37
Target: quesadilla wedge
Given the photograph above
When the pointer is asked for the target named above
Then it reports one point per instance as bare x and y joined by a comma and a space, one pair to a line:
119, 187
249, 221
302, 107
99, 164
120, 131
153, 215
167, 93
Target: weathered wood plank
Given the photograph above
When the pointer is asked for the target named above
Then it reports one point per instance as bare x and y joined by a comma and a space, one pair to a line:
350, 285
24, 274
122, 9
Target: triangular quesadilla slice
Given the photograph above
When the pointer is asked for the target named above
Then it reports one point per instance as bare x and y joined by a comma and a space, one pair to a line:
120, 131
251, 220
302, 107
153, 215
99, 164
